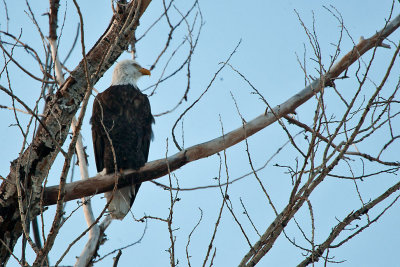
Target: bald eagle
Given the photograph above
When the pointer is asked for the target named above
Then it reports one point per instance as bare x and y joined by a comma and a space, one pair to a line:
121, 121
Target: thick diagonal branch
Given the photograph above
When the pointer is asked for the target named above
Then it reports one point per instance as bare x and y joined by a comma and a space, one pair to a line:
159, 168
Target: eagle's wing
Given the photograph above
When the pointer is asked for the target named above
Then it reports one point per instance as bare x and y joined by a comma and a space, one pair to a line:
146, 136
148, 131
97, 135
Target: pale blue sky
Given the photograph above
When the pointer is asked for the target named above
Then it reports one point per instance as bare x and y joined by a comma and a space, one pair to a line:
271, 36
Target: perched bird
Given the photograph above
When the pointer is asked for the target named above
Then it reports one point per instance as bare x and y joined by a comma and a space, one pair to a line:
121, 123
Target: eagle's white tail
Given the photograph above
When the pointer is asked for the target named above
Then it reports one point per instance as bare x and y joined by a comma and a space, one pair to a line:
121, 203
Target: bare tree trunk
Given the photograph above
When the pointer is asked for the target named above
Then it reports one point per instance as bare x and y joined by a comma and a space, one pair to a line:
34, 163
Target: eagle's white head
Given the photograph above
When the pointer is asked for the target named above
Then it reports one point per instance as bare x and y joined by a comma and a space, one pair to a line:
128, 71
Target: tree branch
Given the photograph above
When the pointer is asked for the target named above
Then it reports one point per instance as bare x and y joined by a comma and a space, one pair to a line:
159, 168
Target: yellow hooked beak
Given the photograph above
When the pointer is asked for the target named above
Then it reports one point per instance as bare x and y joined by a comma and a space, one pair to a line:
144, 71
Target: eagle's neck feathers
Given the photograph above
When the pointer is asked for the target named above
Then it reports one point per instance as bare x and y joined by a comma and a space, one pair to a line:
122, 78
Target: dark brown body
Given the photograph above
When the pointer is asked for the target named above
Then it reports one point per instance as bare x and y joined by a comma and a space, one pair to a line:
121, 113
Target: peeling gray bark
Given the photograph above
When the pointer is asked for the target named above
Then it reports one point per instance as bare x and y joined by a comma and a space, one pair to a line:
36, 160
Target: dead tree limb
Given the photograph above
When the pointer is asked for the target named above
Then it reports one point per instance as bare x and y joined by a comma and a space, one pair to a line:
159, 168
